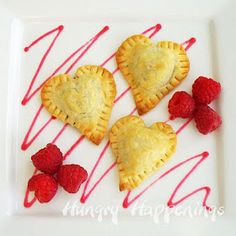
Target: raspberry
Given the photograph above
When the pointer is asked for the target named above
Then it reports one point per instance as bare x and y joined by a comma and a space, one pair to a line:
48, 159
181, 105
45, 187
205, 90
70, 177
207, 120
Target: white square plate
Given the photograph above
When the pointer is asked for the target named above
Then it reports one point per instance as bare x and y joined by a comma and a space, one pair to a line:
212, 24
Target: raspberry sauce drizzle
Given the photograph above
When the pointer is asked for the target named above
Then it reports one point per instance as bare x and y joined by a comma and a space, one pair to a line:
189, 43
183, 126
59, 133
25, 144
85, 195
72, 148
28, 203
59, 29
119, 97
170, 203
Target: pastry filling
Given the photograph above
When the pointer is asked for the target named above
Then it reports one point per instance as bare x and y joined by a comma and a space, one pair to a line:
81, 98
144, 147
152, 67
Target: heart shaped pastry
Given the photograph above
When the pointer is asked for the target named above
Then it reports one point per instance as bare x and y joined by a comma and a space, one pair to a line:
140, 150
84, 101
151, 71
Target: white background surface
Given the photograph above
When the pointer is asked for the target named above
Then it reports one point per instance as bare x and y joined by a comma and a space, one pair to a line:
212, 24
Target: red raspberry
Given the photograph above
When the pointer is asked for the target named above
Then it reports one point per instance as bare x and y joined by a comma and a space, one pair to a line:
181, 105
48, 159
45, 187
70, 177
207, 120
205, 90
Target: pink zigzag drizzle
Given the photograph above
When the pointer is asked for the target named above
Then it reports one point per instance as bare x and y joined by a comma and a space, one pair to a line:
27, 97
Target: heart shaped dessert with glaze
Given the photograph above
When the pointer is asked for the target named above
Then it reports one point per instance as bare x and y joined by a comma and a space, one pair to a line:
139, 150
84, 101
151, 71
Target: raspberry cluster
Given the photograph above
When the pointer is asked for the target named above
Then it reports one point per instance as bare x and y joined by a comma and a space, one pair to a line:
183, 105
49, 161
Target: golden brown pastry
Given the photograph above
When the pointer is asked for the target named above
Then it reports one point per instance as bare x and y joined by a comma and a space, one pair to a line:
139, 150
84, 101
151, 71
